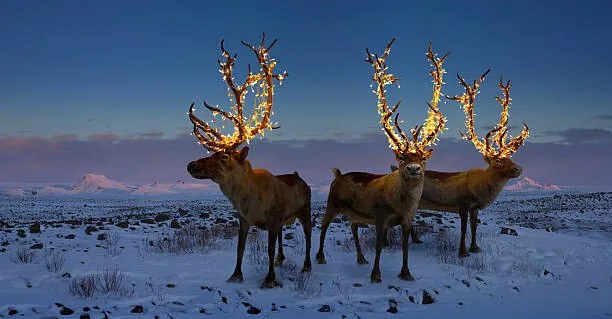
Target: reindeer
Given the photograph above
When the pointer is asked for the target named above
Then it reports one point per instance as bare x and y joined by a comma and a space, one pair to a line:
261, 199
389, 199
471, 191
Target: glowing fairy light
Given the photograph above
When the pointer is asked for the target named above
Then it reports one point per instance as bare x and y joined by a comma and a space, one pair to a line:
423, 136
246, 128
499, 134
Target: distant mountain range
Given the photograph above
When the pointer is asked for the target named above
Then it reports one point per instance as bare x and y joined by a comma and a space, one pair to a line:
97, 185
100, 186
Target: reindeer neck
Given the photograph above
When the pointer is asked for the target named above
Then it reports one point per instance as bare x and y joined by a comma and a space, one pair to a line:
405, 186
240, 185
493, 181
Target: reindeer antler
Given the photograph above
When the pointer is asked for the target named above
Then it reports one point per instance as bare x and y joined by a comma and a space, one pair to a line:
422, 136
262, 83
499, 134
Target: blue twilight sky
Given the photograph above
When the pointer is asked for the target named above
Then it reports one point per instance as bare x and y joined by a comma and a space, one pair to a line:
96, 70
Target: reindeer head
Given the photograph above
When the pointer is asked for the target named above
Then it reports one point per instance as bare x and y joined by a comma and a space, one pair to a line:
219, 166
410, 154
227, 160
498, 155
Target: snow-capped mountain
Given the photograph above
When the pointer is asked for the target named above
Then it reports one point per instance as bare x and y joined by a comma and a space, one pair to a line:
93, 183
527, 184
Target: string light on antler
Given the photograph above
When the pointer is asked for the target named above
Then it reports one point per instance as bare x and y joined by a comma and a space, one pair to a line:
422, 136
245, 128
499, 134
435, 120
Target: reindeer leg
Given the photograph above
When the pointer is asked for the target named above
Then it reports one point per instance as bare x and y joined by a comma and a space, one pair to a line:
375, 276
462, 250
360, 258
273, 230
414, 236
280, 257
236, 277
386, 242
473, 224
330, 212
306, 221
406, 230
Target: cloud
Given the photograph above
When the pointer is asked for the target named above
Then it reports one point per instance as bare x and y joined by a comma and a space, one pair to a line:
490, 127
64, 138
604, 117
146, 160
104, 138
150, 135
582, 135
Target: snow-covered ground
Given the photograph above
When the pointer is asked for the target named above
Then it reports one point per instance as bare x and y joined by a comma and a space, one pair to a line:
559, 265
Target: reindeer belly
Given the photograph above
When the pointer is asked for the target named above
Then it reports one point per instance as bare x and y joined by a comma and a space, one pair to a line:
355, 212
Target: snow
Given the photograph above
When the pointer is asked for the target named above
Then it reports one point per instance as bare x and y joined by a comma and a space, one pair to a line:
563, 273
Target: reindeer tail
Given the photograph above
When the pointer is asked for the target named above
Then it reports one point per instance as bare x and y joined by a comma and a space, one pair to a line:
336, 172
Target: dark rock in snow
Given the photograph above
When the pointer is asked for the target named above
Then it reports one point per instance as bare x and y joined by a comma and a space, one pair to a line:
35, 228
175, 224
162, 217
392, 306
12, 312
253, 310
90, 229
71, 236
65, 311
147, 221
325, 308
137, 309
427, 298
21, 233
124, 224
37, 246
508, 231
103, 236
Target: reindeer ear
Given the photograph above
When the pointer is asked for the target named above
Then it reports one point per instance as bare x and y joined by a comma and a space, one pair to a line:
242, 154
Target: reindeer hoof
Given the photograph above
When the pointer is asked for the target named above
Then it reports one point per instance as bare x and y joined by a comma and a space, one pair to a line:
375, 277
463, 253
307, 267
405, 275
321, 258
361, 260
235, 278
271, 283
417, 241
475, 249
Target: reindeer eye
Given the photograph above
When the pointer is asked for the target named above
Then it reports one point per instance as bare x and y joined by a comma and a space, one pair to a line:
224, 158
